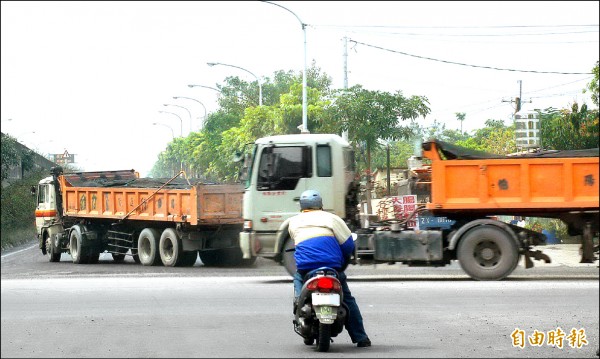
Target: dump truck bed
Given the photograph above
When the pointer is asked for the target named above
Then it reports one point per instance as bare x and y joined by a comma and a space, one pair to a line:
122, 195
465, 181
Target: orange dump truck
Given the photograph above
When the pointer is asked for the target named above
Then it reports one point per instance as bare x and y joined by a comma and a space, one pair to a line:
464, 192
168, 221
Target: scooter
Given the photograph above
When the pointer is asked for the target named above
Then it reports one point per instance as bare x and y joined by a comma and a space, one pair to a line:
320, 312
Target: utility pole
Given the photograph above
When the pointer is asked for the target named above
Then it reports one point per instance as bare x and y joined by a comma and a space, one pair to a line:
345, 55
518, 100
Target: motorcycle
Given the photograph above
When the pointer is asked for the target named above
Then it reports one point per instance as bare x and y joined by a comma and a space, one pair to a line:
320, 312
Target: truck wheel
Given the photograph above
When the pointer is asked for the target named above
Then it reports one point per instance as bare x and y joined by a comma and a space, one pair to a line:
76, 248
487, 253
189, 259
247, 262
51, 250
135, 255
118, 257
170, 249
210, 258
222, 257
148, 247
93, 258
288, 260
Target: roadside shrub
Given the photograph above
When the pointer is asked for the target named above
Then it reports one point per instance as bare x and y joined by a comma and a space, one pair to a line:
18, 211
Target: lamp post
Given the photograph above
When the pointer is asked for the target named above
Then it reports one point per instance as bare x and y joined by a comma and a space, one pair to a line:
304, 102
188, 111
193, 99
211, 64
180, 120
207, 87
162, 124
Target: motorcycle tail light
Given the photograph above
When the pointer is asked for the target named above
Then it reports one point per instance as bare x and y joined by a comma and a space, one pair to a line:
325, 284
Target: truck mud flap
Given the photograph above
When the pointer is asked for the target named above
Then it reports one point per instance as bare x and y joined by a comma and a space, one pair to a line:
406, 246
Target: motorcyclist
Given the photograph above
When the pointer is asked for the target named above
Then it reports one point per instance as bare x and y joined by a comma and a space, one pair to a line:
323, 239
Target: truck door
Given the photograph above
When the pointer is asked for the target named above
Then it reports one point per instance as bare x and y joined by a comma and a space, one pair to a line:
45, 210
323, 181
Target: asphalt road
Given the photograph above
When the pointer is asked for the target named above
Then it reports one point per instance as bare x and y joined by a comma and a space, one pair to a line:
128, 310
27, 261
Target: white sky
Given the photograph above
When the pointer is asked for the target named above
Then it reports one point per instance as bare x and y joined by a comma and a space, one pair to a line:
90, 77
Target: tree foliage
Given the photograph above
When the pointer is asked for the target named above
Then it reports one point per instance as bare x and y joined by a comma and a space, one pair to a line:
370, 116
495, 138
593, 85
13, 155
569, 129
372, 119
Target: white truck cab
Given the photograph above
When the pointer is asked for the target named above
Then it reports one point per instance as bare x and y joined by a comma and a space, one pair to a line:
280, 169
46, 215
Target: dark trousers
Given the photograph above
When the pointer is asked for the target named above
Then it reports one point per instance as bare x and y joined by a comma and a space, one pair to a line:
354, 322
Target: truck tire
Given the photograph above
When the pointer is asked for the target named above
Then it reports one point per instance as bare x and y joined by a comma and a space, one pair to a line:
51, 252
134, 254
78, 251
148, 247
170, 248
287, 257
487, 253
225, 257
210, 258
118, 257
93, 258
189, 259
247, 262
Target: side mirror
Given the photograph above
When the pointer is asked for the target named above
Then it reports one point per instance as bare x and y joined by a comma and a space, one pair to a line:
33, 190
238, 157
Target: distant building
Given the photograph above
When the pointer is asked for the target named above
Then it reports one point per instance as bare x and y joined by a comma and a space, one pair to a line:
527, 129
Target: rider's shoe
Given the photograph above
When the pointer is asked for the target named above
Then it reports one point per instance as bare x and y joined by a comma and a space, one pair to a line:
364, 343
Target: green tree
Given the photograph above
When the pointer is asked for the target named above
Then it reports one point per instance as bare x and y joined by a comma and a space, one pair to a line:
593, 85
461, 117
370, 116
569, 129
495, 138
13, 155
239, 121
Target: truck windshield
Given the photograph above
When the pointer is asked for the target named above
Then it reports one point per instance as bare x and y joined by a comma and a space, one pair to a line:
280, 168
247, 169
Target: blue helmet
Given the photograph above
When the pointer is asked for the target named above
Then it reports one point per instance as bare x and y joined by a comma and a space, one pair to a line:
311, 199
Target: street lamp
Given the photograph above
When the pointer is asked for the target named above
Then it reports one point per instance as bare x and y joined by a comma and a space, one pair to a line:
208, 87
188, 111
162, 124
193, 99
211, 64
304, 102
180, 120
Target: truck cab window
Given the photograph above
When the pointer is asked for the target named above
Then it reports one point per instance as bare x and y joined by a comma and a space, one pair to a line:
349, 162
324, 161
280, 168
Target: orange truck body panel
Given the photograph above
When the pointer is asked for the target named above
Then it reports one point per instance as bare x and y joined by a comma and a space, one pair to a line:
200, 204
512, 185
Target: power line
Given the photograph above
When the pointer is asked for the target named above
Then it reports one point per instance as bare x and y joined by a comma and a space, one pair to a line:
468, 65
452, 27
377, 30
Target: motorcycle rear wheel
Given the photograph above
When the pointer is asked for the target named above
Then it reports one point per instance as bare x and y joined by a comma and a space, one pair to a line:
309, 341
324, 337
